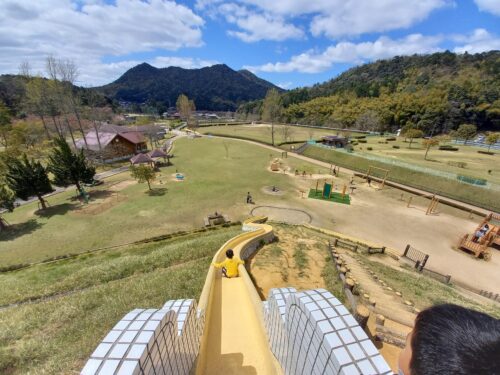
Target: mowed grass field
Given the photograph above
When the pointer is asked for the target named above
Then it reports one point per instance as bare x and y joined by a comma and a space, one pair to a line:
477, 166
213, 182
89, 294
262, 132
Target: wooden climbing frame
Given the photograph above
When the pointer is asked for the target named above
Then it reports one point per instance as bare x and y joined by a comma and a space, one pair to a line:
371, 168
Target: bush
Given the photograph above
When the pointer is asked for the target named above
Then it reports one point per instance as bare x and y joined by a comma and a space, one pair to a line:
369, 148
390, 139
354, 143
472, 180
383, 142
486, 152
362, 140
395, 146
360, 136
459, 164
448, 148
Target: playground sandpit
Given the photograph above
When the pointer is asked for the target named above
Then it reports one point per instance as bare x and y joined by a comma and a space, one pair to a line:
119, 186
272, 190
283, 214
100, 205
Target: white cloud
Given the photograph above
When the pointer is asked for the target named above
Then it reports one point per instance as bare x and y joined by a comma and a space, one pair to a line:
285, 85
86, 31
339, 18
480, 40
254, 27
491, 6
348, 52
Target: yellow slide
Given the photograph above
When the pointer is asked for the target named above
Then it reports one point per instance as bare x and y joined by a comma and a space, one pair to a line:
234, 339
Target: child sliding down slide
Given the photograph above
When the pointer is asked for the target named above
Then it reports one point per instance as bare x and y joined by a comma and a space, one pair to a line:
229, 265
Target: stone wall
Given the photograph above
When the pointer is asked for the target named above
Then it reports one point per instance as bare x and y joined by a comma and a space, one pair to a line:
164, 341
311, 332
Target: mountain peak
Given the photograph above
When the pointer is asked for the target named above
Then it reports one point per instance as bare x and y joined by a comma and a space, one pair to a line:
217, 87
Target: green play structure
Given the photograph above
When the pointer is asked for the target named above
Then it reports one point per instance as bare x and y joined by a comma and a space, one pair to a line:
328, 194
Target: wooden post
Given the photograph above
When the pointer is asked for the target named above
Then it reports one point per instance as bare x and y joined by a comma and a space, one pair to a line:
343, 191
409, 201
361, 315
317, 181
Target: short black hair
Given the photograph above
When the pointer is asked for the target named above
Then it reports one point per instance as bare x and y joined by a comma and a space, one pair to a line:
230, 254
453, 340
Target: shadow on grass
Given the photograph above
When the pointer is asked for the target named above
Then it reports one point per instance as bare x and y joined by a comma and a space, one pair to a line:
60, 209
157, 192
14, 231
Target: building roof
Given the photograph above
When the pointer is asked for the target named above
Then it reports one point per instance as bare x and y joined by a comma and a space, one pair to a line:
141, 159
133, 137
105, 139
156, 153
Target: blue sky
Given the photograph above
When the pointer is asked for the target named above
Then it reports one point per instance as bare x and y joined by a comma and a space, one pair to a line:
288, 42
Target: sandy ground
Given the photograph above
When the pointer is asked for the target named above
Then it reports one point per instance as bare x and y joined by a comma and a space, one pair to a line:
380, 216
274, 266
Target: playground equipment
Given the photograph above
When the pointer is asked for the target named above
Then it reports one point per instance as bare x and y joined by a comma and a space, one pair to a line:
275, 165
480, 245
328, 193
231, 331
369, 174
179, 177
432, 206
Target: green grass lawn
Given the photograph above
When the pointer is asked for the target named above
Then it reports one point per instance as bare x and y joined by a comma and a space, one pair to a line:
486, 198
478, 164
213, 183
58, 335
262, 133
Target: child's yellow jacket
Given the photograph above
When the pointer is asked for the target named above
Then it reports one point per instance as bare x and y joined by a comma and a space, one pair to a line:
231, 266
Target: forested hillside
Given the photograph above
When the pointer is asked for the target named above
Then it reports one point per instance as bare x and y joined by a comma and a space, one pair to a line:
435, 92
217, 87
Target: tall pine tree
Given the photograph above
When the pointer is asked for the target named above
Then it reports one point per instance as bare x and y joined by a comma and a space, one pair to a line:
27, 178
69, 167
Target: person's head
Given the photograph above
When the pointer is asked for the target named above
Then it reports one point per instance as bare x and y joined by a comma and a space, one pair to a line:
452, 340
230, 254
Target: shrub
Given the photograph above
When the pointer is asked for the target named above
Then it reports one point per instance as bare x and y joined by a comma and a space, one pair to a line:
383, 142
459, 164
360, 136
362, 140
486, 152
369, 148
390, 139
395, 146
448, 148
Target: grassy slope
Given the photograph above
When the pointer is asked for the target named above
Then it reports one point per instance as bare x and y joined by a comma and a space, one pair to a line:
213, 183
58, 335
447, 187
263, 134
425, 291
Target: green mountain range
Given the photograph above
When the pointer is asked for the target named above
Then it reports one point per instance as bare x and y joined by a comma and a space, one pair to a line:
217, 88
436, 92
